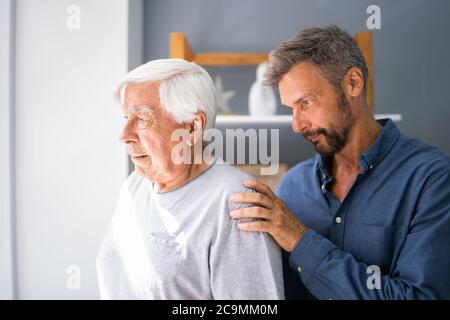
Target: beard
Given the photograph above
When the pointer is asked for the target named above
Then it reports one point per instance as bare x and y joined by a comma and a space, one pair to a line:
336, 135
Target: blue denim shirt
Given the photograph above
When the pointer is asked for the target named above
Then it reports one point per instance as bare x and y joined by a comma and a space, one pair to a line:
395, 217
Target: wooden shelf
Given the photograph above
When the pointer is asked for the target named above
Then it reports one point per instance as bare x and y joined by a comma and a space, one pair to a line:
230, 58
279, 119
180, 48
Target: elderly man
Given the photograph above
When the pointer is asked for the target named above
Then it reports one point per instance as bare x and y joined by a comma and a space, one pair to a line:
171, 236
368, 217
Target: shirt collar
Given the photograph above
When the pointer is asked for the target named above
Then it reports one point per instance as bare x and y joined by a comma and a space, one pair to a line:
372, 155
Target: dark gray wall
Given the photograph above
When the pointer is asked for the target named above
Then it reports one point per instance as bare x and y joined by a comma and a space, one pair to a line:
411, 51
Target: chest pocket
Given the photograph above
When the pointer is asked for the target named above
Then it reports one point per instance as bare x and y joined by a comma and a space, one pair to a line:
164, 257
377, 245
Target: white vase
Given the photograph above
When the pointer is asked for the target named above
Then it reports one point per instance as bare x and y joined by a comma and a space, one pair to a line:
261, 99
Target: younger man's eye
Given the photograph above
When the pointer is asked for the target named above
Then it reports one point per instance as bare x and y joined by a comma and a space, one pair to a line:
306, 103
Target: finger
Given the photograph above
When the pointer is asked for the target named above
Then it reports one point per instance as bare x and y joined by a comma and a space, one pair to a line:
260, 187
256, 198
261, 226
250, 212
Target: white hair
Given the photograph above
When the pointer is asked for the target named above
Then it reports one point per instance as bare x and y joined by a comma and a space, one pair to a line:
185, 88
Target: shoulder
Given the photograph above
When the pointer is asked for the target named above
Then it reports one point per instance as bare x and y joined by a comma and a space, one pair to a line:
229, 179
423, 156
226, 180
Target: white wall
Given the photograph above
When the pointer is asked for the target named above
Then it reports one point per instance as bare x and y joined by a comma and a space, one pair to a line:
6, 151
69, 162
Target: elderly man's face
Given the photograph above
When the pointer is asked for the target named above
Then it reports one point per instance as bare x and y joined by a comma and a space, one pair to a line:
147, 132
318, 112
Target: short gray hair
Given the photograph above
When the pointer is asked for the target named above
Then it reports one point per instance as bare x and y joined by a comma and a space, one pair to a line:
185, 88
331, 49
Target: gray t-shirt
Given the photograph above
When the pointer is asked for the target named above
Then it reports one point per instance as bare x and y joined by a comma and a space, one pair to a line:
182, 244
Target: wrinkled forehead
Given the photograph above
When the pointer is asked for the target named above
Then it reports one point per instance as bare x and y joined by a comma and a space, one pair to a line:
141, 97
302, 79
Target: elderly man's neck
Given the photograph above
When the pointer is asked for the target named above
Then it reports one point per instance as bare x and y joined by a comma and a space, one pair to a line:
183, 173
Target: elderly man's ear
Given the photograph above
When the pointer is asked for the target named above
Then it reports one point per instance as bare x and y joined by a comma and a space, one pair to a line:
196, 128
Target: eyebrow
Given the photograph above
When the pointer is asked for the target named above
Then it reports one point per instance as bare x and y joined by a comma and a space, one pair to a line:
307, 94
141, 109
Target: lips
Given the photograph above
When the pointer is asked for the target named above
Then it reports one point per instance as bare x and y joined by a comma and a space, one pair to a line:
138, 156
312, 136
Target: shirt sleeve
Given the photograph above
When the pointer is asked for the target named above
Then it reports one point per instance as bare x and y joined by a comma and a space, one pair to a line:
422, 270
245, 265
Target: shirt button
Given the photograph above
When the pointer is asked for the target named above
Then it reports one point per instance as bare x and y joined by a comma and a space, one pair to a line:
338, 220
323, 187
299, 269
371, 167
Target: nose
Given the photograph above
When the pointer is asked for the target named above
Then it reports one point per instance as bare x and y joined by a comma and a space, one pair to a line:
299, 123
128, 134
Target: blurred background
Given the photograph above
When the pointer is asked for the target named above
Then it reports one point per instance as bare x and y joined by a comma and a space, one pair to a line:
61, 163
